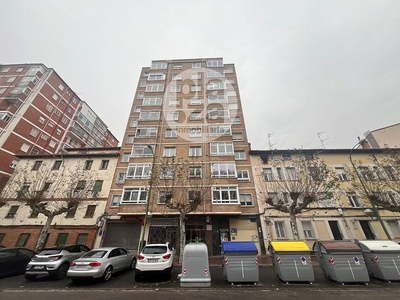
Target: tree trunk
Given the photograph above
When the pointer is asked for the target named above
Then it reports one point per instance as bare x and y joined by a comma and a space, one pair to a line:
182, 242
43, 234
293, 224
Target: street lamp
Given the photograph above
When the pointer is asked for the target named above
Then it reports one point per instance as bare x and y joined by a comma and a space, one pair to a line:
374, 209
142, 241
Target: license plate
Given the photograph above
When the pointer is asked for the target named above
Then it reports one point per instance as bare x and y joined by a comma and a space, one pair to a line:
38, 267
80, 266
152, 260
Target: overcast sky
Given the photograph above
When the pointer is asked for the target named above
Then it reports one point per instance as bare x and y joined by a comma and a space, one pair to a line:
303, 67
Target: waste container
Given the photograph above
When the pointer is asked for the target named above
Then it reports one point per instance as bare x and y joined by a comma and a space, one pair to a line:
341, 261
291, 261
195, 266
382, 259
240, 262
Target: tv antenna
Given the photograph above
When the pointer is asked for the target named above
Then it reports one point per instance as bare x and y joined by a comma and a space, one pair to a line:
269, 140
321, 139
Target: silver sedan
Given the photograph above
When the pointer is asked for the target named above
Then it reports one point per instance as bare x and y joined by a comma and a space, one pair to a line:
101, 263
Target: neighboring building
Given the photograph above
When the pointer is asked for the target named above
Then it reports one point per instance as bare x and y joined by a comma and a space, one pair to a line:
351, 217
41, 114
189, 108
386, 137
20, 227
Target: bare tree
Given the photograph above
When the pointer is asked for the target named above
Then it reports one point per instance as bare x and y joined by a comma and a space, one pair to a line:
47, 191
183, 186
294, 182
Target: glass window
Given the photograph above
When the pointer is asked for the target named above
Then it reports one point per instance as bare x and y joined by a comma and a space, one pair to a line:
146, 132
243, 175
280, 229
57, 165
142, 150
152, 101
173, 116
246, 199
90, 211
22, 240
149, 115
138, 171
195, 132
307, 229
116, 199
221, 148
223, 169
134, 195
154, 88
196, 65
61, 238
225, 195
171, 133
82, 238
169, 152
240, 155
195, 151
195, 172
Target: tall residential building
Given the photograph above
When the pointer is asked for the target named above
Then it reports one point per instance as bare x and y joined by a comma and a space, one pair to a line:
188, 109
41, 114
385, 137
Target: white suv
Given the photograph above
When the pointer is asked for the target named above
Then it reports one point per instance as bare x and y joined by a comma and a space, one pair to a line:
155, 259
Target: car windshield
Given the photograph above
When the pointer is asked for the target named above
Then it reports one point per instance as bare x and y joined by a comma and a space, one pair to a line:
95, 254
154, 249
50, 251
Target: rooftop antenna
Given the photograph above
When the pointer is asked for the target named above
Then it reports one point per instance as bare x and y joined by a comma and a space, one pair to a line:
302, 146
269, 140
321, 139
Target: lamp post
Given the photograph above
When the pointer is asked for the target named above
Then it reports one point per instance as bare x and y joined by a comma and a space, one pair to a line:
146, 216
374, 209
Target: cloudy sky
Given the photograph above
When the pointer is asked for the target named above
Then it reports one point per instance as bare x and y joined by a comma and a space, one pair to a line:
303, 67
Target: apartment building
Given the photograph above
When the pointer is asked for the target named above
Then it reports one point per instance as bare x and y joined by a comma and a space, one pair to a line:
187, 109
20, 226
385, 137
41, 114
348, 213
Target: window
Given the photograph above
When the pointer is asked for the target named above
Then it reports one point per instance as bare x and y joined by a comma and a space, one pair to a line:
215, 63
171, 133
162, 197
154, 88
130, 139
71, 213
74, 100
5, 70
240, 155
143, 84
134, 123
390, 173
121, 177
214, 74
49, 107
104, 164
44, 136
134, 195
57, 165
195, 88
57, 112
58, 131
228, 70
149, 115
195, 172
126, 157
246, 199
63, 102
354, 200
178, 67
138, 171
233, 106
22, 240
227, 169
98, 184
36, 165
341, 174
61, 87
80, 186
173, 116
366, 173
12, 212
195, 76
116, 199
167, 173
394, 228
138, 108
142, 150
88, 164
243, 175
196, 65
218, 113
2, 90
225, 195
10, 79
140, 95
195, 116
291, 173
14, 164
194, 195
280, 229
221, 148
237, 136
217, 99
82, 238
156, 77
195, 132
173, 102
267, 174
218, 130
69, 109
231, 80
2, 235
25, 147
146, 132
159, 65
61, 238
41, 120
216, 85
307, 229
195, 101
169, 152
90, 211
177, 77
55, 97
34, 132
195, 151
152, 101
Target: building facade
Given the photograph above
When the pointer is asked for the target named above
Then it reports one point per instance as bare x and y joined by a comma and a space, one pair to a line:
386, 137
41, 114
349, 213
187, 109
20, 227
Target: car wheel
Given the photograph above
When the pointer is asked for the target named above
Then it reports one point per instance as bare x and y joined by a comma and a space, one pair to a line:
61, 272
133, 263
168, 274
30, 277
107, 273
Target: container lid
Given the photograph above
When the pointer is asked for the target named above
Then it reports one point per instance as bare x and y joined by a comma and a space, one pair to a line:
340, 246
290, 246
380, 245
240, 246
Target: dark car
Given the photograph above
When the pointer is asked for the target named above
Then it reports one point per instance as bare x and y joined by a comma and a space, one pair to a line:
13, 261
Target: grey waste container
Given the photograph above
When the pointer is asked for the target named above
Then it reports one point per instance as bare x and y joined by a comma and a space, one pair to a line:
341, 261
240, 262
382, 259
195, 266
291, 261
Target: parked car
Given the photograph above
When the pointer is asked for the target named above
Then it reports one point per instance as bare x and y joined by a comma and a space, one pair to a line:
155, 259
54, 261
101, 263
13, 261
